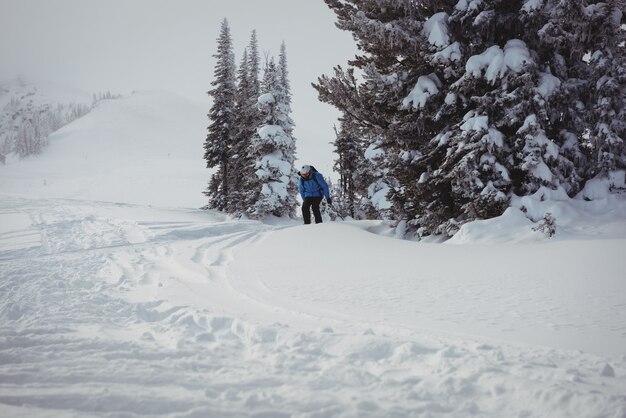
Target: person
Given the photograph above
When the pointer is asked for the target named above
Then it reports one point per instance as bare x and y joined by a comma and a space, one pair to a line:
313, 189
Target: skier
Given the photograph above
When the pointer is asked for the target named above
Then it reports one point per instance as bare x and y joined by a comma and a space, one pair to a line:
312, 188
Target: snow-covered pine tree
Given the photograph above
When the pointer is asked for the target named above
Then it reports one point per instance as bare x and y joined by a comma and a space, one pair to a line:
240, 162
254, 66
273, 146
388, 33
605, 39
370, 116
219, 140
352, 168
287, 123
242, 165
474, 101
252, 122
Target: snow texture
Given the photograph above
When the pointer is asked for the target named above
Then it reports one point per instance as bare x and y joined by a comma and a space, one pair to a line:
496, 62
374, 151
266, 99
425, 87
475, 123
450, 53
532, 5
548, 84
468, 5
377, 193
436, 30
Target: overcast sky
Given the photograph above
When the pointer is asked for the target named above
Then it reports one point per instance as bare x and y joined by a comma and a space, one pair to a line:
125, 45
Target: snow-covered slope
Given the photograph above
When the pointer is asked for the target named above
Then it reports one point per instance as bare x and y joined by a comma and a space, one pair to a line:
29, 112
119, 298
116, 310
145, 148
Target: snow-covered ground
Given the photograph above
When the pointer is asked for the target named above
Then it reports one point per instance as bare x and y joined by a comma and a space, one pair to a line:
119, 298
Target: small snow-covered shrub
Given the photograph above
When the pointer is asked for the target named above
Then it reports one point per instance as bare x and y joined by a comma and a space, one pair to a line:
547, 225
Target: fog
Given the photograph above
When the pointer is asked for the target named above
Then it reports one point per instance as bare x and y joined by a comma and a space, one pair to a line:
126, 45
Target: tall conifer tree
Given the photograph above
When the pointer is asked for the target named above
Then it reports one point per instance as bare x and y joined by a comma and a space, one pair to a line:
248, 117
219, 141
354, 177
254, 67
239, 159
273, 146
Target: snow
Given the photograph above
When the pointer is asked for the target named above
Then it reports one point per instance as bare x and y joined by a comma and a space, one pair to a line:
532, 5
274, 133
377, 193
516, 55
548, 84
494, 137
266, 99
118, 301
541, 171
468, 5
483, 17
496, 62
491, 190
600, 188
374, 151
450, 53
490, 61
475, 123
595, 9
436, 30
425, 87
539, 138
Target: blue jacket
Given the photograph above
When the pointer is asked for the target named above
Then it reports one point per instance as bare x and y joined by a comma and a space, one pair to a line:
312, 188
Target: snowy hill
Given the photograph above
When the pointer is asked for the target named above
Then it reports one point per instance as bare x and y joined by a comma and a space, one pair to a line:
145, 148
119, 298
29, 113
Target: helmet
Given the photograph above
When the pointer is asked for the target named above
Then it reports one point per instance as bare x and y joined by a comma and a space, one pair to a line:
305, 170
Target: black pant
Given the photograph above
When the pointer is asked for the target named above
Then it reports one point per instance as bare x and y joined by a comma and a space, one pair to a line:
306, 209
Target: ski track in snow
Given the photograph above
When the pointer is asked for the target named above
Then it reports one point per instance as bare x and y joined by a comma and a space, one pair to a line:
113, 310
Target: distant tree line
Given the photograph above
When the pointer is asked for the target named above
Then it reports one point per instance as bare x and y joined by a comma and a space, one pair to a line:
455, 106
104, 96
25, 126
27, 129
250, 137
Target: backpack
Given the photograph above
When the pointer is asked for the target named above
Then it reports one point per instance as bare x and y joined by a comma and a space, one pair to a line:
314, 178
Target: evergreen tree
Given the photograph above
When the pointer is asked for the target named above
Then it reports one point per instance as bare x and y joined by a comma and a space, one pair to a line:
470, 102
273, 146
605, 42
240, 161
248, 118
254, 67
287, 123
251, 120
352, 168
219, 141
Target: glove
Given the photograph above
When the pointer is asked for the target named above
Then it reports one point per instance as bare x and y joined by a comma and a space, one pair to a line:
329, 200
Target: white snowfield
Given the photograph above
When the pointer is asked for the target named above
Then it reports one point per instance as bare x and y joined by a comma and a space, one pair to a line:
113, 309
